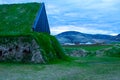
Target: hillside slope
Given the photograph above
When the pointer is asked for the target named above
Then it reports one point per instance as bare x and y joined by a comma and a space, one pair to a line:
78, 37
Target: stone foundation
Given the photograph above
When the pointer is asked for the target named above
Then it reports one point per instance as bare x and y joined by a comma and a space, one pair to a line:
20, 49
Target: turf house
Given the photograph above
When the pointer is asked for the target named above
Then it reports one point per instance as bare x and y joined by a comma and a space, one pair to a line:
25, 34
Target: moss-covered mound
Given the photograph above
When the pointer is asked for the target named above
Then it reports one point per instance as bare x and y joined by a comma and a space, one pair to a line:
24, 48
17, 21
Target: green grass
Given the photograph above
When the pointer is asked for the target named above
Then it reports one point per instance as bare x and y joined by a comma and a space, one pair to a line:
88, 68
17, 19
86, 47
115, 43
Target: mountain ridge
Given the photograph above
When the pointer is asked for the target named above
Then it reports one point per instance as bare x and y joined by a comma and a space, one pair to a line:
79, 37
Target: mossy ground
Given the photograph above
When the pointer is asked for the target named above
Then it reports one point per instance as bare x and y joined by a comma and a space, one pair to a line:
86, 47
51, 48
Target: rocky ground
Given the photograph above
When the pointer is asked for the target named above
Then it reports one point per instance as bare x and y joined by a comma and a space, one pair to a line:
20, 49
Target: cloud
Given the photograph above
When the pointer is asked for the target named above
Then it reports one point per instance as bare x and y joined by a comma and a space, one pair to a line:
52, 9
99, 16
63, 28
2, 2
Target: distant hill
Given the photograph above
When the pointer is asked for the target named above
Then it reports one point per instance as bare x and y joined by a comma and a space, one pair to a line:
78, 37
118, 37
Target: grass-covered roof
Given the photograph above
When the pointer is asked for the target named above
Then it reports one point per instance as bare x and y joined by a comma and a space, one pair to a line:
17, 19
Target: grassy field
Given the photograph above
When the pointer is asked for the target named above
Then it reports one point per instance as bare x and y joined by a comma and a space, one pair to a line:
89, 68
91, 48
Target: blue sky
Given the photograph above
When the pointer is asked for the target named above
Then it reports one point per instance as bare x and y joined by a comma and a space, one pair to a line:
87, 16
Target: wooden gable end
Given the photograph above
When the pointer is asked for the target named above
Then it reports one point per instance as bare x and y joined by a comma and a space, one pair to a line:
41, 22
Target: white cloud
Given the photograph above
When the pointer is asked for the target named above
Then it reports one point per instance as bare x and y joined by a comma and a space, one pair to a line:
59, 29
91, 16
71, 14
3, 2
104, 5
52, 9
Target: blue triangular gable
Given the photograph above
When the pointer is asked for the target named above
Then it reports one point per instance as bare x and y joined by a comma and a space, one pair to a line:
41, 22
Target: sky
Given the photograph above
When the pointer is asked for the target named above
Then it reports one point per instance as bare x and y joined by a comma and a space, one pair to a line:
87, 16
